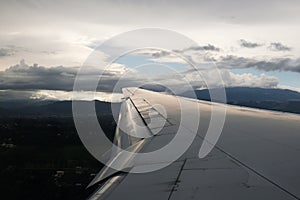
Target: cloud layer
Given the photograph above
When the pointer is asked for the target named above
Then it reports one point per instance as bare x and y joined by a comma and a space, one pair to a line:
25, 77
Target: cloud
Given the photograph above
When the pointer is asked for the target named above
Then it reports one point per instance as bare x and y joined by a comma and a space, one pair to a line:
162, 53
86, 25
22, 76
248, 80
213, 78
207, 47
246, 44
279, 64
5, 52
285, 87
54, 95
159, 54
8, 50
285, 64
277, 46
229, 11
69, 95
35, 77
163, 56
232, 61
229, 79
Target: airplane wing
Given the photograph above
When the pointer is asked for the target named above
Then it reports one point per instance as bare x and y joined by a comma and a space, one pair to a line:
256, 157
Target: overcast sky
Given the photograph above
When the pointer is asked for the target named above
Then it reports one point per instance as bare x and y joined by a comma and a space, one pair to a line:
254, 43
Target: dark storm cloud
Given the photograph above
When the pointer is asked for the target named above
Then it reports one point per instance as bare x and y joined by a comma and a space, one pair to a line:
246, 44
277, 46
35, 77
281, 64
22, 76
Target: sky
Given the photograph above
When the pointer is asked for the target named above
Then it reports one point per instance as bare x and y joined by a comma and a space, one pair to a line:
43, 44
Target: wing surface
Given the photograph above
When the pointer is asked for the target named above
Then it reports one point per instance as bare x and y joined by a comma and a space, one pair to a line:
256, 157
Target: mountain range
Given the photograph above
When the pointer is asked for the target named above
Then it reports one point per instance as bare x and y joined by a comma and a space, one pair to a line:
263, 98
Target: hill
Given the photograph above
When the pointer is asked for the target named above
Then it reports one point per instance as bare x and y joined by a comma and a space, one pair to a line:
263, 98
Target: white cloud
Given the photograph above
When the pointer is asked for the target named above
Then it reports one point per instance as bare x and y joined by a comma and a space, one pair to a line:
230, 79
68, 95
248, 80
